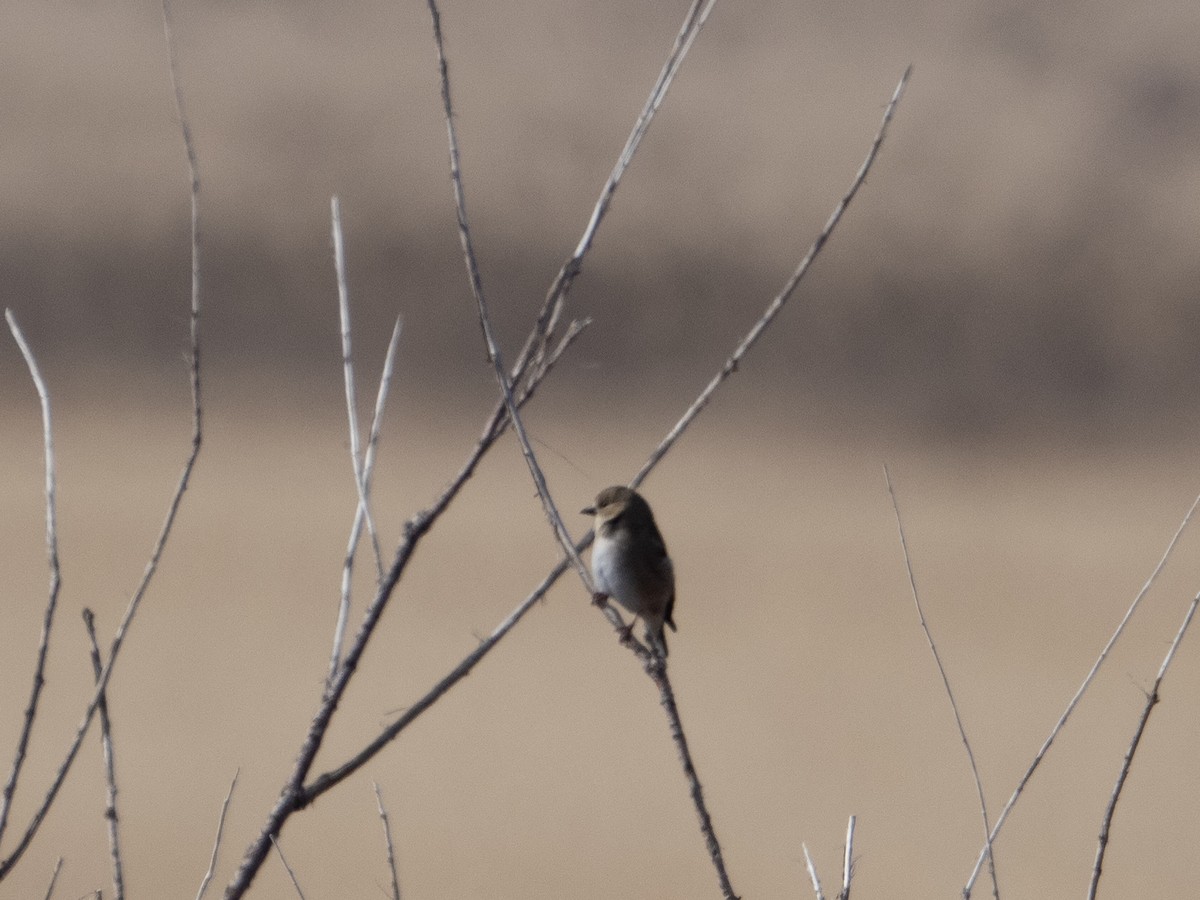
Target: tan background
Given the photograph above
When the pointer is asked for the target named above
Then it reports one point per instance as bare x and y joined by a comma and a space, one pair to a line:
1007, 317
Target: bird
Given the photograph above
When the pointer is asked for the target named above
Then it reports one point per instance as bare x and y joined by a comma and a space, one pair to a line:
630, 562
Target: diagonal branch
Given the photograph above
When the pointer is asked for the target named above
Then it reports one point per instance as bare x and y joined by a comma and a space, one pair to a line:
937, 659
1087, 681
556, 297
789, 287
1151, 701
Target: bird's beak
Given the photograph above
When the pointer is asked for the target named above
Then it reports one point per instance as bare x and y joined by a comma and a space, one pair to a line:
588, 511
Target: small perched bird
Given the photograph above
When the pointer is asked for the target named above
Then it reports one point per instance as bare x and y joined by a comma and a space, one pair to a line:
630, 562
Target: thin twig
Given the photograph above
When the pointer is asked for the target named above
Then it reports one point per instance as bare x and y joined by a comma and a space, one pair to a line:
812, 873
751, 338
847, 862
360, 482
212, 860
110, 773
1062, 720
658, 672
937, 658
476, 280
39, 669
1152, 699
54, 878
291, 874
556, 297
368, 469
387, 840
176, 498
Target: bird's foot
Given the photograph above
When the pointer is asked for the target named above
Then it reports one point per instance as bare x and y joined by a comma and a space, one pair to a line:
599, 598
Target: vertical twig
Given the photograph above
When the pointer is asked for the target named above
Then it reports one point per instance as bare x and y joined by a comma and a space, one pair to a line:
937, 658
847, 862
176, 500
39, 669
1062, 720
812, 873
291, 874
658, 672
387, 840
110, 772
1152, 699
212, 860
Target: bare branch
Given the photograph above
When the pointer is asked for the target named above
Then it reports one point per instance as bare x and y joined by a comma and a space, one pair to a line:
212, 860
110, 774
1151, 701
556, 297
812, 873
328, 780
176, 498
937, 658
387, 839
751, 338
657, 671
1062, 720
39, 669
291, 874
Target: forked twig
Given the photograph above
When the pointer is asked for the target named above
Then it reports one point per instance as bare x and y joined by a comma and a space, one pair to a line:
1152, 699
476, 280
212, 860
937, 658
387, 840
110, 773
360, 481
39, 669
363, 462
1062, 720
176, 498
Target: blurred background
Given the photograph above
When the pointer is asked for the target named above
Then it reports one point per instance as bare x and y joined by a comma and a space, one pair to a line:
1007, 316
